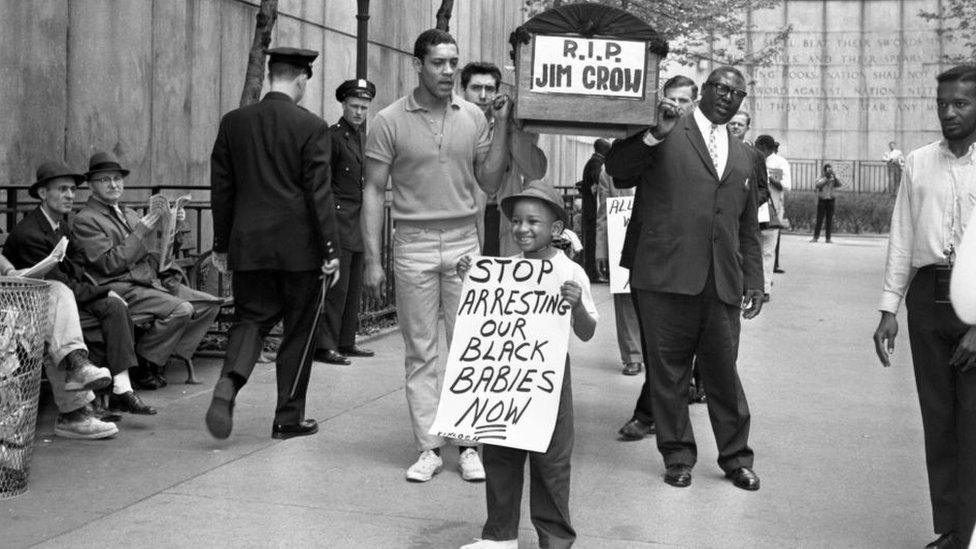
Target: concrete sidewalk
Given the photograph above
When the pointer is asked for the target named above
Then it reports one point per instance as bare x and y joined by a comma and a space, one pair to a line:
837, 438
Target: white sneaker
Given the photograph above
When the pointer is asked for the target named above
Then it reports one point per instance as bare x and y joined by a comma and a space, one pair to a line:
428, 465
83, 424
87, 377
470, 464
492, 544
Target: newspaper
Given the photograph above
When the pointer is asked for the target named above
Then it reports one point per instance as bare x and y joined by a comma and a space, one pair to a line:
45, 265
162, 248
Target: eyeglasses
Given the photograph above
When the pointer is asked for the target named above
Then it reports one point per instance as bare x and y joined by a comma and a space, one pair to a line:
107, 179
722, 89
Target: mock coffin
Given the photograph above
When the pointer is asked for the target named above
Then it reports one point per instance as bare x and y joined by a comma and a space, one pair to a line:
586, 69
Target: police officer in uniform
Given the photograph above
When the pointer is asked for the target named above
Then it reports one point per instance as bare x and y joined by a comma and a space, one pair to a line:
275, 228
337, 339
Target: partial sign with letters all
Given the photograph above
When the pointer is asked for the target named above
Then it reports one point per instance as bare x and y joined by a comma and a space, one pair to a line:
618, 216
505, 367
589, 66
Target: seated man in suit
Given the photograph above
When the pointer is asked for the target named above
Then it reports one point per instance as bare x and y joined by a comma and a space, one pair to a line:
36, 236
71, 374
115, 245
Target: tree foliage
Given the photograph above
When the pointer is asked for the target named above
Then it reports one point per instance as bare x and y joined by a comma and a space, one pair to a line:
957, 23
699, 30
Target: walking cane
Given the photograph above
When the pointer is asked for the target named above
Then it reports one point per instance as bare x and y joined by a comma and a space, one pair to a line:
310, 342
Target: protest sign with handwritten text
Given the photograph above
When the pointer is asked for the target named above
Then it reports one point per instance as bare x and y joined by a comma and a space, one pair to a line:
618, 216
505, 367
589, 66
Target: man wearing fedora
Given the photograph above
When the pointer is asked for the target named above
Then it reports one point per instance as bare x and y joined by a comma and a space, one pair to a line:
275, 228
113, 244
337, 339
36, 236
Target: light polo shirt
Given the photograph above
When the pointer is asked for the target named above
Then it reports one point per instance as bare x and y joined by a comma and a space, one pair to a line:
432, 169
935, 200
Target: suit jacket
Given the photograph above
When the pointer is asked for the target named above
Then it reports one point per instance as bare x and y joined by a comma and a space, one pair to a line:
114, 249
33, 238
591, 178
691, 218
271, 191
347, 181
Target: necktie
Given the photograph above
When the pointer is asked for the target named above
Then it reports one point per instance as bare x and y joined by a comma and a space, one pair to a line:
713, 146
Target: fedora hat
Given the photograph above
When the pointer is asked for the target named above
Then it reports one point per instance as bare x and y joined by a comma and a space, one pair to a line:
104, 162
540, 191
53, 170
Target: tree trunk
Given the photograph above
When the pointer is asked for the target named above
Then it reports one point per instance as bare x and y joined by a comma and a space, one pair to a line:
254, 77
444, 15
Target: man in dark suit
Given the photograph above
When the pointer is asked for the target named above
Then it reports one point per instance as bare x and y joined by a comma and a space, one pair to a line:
587, 191
337, 339
275, 228
695, 263
36, 236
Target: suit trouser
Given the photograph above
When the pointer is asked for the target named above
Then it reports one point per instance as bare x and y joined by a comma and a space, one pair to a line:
643, 410
948, 403
677, 328
424, 264
588, 224
261, 300
117, 332
63, 337
492, 245
628, 329
338, 328
825, 211
181, 320
549, 479
770, 240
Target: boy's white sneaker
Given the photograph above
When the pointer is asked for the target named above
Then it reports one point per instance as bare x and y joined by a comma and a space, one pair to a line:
492, 544
427, 465
470, 464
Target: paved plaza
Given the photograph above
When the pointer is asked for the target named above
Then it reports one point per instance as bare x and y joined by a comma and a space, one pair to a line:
838, 443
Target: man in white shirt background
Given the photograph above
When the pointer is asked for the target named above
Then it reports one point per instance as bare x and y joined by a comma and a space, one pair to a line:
935, 200
894, 163
780, 181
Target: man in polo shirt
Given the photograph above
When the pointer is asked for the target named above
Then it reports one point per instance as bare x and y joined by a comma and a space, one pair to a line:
436, 149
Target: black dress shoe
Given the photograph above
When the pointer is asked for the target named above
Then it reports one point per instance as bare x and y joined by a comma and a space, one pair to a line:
777, 270
744, 478
356, 350
636, 429
143, 379
305, 428
131, 403
678, 475
331, 357
220, 415
101, 412
945, 541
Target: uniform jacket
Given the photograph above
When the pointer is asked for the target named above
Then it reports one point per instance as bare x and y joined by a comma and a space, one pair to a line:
690, 217
271, 191
347, 181
33, 238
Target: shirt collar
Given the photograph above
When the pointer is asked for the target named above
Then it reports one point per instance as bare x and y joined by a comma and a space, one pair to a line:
970, 155
413, 105
704, 124
54, 224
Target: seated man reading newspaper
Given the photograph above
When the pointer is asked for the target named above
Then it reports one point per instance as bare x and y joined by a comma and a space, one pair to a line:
132, 255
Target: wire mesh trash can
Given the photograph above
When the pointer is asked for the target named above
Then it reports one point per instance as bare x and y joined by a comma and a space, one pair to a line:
23, 325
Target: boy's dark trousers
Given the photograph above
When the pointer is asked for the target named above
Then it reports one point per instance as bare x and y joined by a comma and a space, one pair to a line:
947, 400
549, 474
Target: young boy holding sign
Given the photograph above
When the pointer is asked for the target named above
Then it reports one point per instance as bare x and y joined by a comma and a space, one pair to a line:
537, 216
